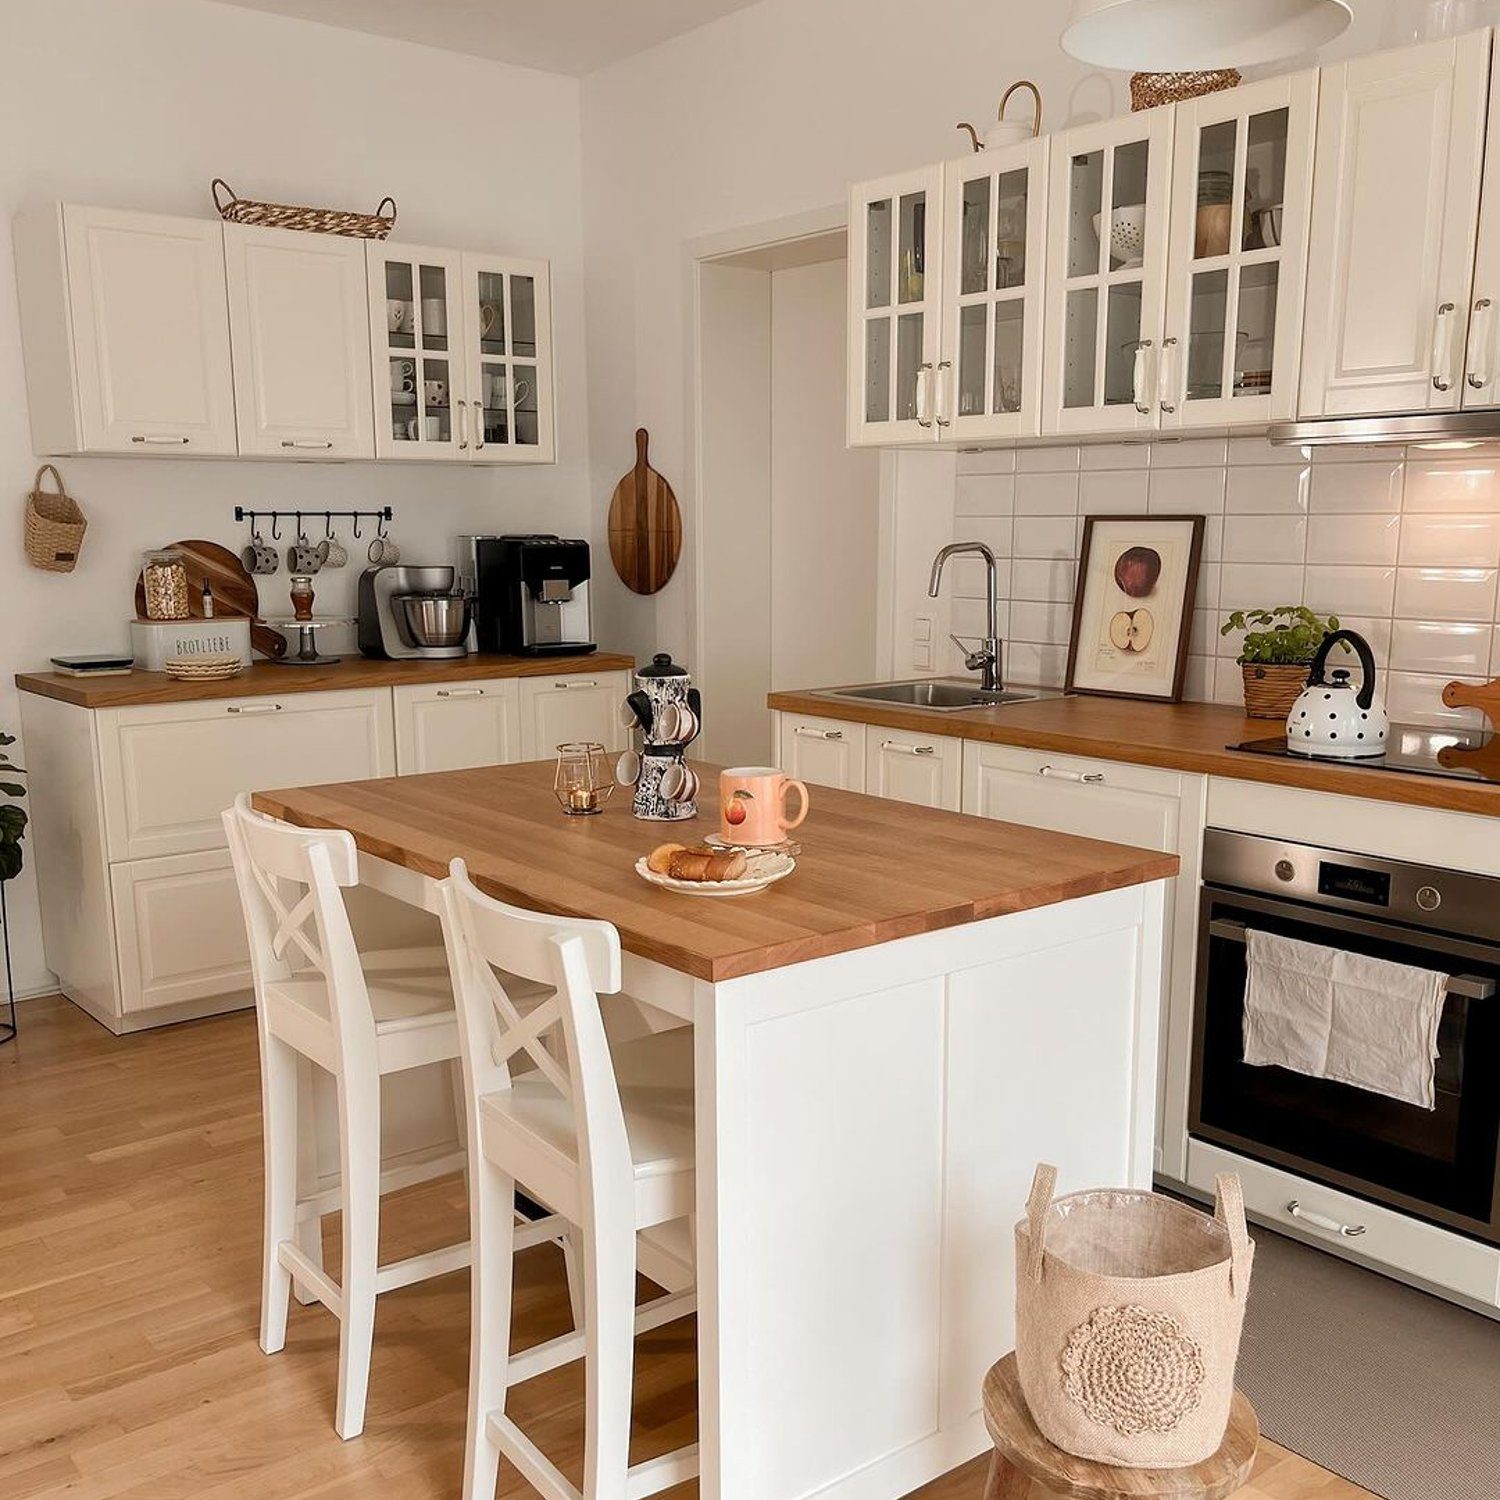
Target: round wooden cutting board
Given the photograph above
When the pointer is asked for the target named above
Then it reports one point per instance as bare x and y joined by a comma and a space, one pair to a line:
645, 526
233, 588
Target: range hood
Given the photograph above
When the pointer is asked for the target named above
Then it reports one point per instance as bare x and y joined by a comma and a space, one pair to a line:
1457, 429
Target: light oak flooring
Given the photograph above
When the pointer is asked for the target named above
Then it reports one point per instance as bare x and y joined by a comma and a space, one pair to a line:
129, 1242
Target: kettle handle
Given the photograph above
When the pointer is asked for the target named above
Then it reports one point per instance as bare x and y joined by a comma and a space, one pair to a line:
1366, 695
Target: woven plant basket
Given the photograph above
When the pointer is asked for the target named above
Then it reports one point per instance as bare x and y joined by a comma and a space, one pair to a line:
375, 226
54, 525
1272, 688
1128, 1314
1147, 90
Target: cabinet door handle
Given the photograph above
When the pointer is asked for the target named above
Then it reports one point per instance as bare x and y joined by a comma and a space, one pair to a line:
463, 424
1138, 378
253, 708
945, 392
924, 393
1479, 371
460, 692
161, 440
1166, 379
1086, 778
583, 682
1442, 348
306, 443
479, 416
803, 732
901, 749
1322, 1221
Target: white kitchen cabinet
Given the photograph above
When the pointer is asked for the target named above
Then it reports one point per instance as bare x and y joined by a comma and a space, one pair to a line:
1231, 351
1395, 203
507, 359
1481, 386
452, 726
125, 323
822, 752
1107, 254
557, 710
923, 768
300, 338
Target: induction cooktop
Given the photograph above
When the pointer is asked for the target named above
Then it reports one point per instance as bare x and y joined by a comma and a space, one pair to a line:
1420, 749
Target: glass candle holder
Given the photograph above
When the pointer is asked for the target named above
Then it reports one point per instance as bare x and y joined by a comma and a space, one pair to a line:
583, 782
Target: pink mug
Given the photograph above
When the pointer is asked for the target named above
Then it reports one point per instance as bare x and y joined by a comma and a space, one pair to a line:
752, 805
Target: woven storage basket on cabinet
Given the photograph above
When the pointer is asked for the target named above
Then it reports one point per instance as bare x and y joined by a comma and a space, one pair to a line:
54, 524
375, 226
1271, 688
1128, 1314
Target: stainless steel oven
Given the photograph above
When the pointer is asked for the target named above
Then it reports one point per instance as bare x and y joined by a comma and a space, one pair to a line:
1441, 1165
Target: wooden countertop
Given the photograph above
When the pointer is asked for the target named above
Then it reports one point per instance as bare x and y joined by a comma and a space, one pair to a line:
1176, 736
872, 870
264, 677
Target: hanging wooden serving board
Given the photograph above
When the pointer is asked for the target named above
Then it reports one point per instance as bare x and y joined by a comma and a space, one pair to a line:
645, 526
233, 589
1481, 695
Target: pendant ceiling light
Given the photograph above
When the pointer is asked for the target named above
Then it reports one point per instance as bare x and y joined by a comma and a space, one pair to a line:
1189, 35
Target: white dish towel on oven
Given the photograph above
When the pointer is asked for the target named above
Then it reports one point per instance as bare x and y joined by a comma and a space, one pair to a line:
1334, 1014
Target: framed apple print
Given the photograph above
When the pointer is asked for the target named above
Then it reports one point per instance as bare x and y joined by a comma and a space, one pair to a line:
1133, 606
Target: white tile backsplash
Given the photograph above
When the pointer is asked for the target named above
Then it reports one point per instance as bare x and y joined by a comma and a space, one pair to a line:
1404, 548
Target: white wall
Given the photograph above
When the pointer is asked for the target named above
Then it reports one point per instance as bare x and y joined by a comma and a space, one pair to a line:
139, 105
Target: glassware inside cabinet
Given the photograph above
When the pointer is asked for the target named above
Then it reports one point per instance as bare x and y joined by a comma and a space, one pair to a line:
912, 258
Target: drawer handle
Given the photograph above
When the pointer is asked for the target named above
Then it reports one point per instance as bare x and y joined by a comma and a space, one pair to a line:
172, 442
460, 692
1322, 1221
1086, 778
587, 682
908, 749
306, 443
253, 708
818, 734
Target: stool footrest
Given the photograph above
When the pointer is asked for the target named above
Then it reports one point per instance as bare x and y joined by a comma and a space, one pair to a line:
422, 1267
314, 1277
567, 1347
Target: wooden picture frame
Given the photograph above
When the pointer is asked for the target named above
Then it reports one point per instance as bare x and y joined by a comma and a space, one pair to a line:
1121, 647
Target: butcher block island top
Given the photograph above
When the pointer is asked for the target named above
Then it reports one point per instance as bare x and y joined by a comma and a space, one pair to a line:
131, 689
872, 870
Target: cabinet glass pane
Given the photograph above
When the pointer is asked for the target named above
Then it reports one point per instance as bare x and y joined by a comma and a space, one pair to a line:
972, 329
1127, 231
494, 381
908, 360
1265, 179
400, 305
1122, 332
878, 370
1210, 310
1217, 150
523, 317
974, 272
878, 254
1082, 346
491, 312
1010, 332
911, 264
403, 400
432, 308
1085, 202
1010, 229
1255, 347
436, 410
523, 403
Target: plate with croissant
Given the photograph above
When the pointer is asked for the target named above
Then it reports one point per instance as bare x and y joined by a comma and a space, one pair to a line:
698, 870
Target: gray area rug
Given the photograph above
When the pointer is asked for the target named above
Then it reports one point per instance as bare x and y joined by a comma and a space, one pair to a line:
1394, 1389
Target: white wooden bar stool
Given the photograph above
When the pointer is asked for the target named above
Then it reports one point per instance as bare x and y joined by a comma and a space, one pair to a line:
359, 1016
610, 1157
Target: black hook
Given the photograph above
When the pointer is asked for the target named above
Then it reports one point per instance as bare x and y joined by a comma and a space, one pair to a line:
355, 514
299, 526
380, 524
328, 524
275, 525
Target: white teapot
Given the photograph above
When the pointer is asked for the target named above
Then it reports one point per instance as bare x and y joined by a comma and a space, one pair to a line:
1332, 719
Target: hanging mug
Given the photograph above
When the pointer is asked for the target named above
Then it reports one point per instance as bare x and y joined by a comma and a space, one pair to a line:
259, 558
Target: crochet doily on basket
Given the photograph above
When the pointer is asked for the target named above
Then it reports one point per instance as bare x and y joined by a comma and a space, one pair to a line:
1133, 1370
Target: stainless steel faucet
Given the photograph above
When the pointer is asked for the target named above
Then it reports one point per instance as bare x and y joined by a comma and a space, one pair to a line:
987, 658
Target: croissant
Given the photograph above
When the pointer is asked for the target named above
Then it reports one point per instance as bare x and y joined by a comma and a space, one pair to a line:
706, 864
660, 857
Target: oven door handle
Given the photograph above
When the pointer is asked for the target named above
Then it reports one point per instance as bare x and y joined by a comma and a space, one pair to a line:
1466, 986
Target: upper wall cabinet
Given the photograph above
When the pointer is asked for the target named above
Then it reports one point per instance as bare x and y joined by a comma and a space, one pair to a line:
1482, 357
1399, 162
125, 325
300, 341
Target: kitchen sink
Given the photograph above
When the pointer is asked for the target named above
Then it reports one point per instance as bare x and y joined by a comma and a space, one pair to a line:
940, 696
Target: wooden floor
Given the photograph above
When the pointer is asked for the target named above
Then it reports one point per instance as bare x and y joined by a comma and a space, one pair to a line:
129, 1241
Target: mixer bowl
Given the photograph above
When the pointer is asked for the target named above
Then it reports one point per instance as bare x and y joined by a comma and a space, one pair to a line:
435, 619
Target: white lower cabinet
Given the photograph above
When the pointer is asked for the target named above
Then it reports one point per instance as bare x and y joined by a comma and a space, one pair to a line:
825, 752
454, 726
555, 710
923, 768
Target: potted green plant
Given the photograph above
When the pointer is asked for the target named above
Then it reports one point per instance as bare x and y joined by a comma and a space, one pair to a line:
1278, 649
12, 830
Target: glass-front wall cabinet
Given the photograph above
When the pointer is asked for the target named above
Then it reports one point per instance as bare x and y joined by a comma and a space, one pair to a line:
994, 227
895, 289
1242, 183
415, 329
509, 359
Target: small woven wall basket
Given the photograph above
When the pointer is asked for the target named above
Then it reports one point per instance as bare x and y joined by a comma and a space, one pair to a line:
1128, 1314
1271, 688
375, 226
54, 525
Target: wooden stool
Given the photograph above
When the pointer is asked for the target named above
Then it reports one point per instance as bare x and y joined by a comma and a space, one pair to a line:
1022, 1454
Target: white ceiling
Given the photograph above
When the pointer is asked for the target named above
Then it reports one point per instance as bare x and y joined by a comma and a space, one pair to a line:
558, 36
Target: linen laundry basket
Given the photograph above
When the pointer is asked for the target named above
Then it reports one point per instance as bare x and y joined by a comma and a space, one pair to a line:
1128, 1314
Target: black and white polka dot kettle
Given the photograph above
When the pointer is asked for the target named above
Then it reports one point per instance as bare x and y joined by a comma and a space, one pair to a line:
1333, 719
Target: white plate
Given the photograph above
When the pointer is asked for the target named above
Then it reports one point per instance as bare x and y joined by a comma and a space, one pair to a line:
765, 869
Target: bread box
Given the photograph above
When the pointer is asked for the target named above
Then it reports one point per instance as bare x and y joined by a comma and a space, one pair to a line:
156, 642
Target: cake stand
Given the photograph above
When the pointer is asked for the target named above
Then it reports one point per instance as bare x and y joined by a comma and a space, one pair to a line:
307, 639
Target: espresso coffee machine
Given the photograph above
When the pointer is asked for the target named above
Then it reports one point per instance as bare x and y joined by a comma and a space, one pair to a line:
410, 612
532, 596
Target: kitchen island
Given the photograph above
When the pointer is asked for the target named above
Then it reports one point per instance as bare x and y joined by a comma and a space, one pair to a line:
885, 1044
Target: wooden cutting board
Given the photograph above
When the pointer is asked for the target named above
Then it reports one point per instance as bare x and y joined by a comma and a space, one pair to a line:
645, 526
233, 589
1481, 695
